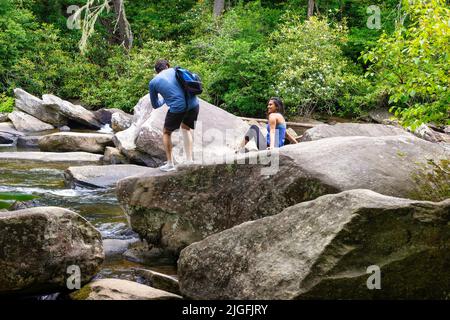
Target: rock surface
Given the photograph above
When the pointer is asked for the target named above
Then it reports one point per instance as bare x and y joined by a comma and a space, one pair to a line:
71, 111
102, 176
75, 141
159, 280
28, 141
39, 244
3, 117
121, 121
351, 129
114, 156
322, 249
8, 135
426, 133
114, 247
36, 108
51, 157
25, 123
116, 289
176, 209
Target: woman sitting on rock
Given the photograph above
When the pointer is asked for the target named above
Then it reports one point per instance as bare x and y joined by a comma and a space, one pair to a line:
276, 128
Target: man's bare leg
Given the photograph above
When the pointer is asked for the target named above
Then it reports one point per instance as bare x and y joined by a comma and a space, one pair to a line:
188, 142
167, 141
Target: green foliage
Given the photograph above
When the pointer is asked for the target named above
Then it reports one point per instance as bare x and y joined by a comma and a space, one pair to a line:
6, 103
413, 64
311, 72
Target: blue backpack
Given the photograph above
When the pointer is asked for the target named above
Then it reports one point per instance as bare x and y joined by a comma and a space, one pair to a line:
190, 82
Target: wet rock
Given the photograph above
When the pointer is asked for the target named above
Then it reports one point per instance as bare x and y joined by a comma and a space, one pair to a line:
71, 111
101, 176
21, 205
114, 247
8, 135
142, 252
36, 108
39, 244
351, 129
25, 123
75, 141
28, 141
121, 121
159, 280
80, 158
173, 210
322, 249
115, 289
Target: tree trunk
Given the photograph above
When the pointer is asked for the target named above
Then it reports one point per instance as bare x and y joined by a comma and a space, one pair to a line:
219, 6
311, 5
122, 27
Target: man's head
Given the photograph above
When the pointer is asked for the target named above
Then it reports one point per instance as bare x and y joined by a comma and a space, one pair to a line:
161, 65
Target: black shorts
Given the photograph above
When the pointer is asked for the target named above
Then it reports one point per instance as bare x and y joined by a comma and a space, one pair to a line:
174, 120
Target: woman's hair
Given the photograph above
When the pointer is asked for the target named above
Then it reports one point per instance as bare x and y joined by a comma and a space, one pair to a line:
161, 65
279, 104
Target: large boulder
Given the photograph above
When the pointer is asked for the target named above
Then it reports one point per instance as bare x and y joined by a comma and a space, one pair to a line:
322, 249
114, 156
75, 141
36, 107
38, 245
217, 133
101, 176
176, 209
25, 123
116, 289
426, 133
351, 129
71, 111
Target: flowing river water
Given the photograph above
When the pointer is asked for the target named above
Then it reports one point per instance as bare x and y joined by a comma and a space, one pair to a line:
100, 207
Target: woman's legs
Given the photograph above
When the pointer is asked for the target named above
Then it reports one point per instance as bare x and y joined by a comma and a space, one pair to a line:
255, 133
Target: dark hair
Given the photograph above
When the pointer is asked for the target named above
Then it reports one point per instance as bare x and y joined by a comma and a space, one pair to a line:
161, 65
279, 104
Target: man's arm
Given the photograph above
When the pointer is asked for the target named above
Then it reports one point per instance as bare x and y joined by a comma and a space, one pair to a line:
156, 103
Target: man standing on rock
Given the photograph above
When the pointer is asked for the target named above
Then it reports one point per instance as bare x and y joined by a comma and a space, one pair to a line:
183, 110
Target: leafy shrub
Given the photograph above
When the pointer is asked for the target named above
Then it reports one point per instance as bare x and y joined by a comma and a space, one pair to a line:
6, 103
413, 64
311, 72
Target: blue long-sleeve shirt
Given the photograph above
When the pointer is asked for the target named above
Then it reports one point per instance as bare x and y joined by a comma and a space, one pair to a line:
166, 84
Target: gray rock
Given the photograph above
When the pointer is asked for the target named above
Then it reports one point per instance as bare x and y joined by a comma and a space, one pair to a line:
322, 249
143, 253
8, 134
39, 244
351, 129
21, 205
3, 117
64, 129
25, 123
28, 141
426, 133
159, 280
75, 141
121, 121
104, 115
51, 157
71, 111
36, 108
101, 176
176, 209
114, 247
114, 156
115, 289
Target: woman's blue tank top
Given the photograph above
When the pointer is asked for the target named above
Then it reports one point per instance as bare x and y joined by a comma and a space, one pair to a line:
280, 133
